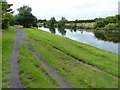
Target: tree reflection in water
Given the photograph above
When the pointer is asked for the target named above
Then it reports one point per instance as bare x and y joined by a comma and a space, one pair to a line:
62, 31
107, 36
52, 30
101, 35
73, 30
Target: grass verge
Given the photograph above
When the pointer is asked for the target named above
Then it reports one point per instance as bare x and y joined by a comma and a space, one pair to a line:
7, 47
32, 73
102, 59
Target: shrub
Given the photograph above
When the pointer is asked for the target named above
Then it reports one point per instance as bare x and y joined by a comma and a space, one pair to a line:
111, 26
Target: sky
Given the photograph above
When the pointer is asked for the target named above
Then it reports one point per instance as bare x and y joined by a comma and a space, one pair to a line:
70, 9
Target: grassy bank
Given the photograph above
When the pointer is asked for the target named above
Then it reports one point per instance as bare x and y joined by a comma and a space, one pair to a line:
7, 47
94, 56
75, 72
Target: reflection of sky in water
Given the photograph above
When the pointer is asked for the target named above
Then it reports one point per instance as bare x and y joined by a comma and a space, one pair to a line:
88, 38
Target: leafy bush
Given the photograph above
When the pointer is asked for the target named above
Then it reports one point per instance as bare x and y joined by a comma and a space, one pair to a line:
111, 26
99, 23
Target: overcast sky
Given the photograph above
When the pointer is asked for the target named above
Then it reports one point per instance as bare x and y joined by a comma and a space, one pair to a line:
71, 9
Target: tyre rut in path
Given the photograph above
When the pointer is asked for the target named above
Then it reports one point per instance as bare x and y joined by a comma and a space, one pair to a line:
51, 71
15, 81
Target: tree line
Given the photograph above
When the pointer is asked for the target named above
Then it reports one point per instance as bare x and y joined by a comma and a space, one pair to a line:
75, 21
27, 19
108, 23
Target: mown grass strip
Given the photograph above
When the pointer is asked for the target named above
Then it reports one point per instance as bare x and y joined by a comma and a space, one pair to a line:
76, 73
82, 61
7, 47
32, 73
102, 59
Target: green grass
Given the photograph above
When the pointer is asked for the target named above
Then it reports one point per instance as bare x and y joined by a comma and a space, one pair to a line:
7, 47
32, 73
20, 26
76, 73
94, 56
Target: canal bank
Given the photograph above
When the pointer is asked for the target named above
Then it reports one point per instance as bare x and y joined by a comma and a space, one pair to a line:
102, 40
105, 60
75, 61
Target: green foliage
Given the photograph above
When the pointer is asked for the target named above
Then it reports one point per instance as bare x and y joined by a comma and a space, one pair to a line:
6, 14
25, 17
51, 22
111, 26
81, 21
61, 23
12, 21
99, 23
41, 21
108, 23
24, 9
118, 21
118, 17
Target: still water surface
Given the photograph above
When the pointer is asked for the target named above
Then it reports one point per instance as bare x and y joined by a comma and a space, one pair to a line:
104, 40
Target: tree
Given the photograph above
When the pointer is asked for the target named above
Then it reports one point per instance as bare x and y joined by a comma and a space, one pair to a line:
52, 21
25, 17
76, 21
61, 23
6, 14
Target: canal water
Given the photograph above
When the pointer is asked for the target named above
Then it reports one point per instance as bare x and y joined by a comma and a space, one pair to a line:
104, 40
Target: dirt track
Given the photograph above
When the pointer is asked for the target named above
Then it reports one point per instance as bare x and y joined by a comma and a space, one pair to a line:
15, 81
14, 75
